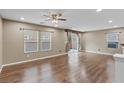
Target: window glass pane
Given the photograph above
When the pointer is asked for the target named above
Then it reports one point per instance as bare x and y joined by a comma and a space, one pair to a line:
112, 39
45, 46
112, 44
30, 36
30, 46
30, 41
45, 34
45, 41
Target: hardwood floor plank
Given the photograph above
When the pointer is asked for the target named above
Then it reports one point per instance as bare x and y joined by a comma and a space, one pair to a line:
72, 68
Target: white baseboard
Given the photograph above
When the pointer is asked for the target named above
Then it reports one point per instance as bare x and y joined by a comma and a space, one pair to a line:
1, 68
104, 53
26, 61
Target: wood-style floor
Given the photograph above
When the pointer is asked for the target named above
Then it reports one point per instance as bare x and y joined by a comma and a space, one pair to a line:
72, 68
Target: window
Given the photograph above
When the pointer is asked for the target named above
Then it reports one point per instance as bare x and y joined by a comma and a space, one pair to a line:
112, 40
30, 41
45, 41
35, 41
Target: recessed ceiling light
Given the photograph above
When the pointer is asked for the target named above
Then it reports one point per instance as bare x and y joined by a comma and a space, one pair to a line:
110, 21
98, 10
22, 18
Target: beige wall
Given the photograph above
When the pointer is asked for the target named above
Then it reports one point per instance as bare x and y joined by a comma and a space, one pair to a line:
1, 32
96, 41
14, 46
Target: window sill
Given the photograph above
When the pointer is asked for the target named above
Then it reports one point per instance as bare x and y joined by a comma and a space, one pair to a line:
30, 52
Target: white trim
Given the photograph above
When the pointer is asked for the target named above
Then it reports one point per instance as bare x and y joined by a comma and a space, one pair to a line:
1, 69
26, 61
97, 52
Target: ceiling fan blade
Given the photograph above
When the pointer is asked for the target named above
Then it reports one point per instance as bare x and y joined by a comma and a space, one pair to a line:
47, 19
46, 16
59, 15
42, 22
62, 19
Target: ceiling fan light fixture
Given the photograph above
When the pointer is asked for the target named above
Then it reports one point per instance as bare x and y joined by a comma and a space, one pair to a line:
55, 21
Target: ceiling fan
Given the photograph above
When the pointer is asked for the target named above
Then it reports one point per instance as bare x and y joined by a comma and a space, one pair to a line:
54, 17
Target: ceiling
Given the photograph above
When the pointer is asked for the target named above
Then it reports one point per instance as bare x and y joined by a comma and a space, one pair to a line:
77, 19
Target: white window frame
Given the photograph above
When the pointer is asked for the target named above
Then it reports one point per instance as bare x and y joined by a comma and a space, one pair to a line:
37, 44
50, 42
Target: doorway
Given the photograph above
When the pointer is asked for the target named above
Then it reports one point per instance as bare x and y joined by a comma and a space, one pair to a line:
75, 42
